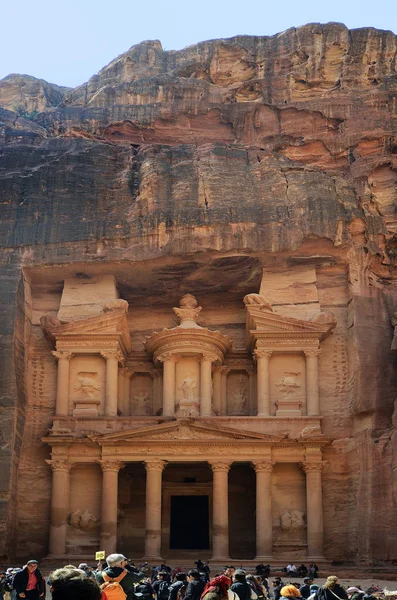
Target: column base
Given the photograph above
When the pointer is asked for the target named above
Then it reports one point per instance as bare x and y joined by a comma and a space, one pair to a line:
220, 559
150, 558
264, 558
263, 415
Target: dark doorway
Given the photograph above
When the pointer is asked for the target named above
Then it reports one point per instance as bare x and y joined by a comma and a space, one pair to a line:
189, 523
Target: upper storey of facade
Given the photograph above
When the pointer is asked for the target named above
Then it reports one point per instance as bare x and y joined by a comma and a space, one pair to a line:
186, 371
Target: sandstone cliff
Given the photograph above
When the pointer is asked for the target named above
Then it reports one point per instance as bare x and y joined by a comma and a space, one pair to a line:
208, 164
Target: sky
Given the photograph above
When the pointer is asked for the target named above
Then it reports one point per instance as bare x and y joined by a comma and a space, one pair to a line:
67, 42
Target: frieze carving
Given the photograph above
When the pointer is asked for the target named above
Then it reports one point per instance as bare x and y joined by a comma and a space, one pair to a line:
111, 465
86, 384
289, 383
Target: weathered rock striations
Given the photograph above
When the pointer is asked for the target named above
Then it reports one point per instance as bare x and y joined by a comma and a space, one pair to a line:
210, 170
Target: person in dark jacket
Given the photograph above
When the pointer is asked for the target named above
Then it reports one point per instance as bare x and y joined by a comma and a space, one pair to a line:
305, 587
116, 566
29, 582
240, 586
145, 588
331, 590
195, 587
277, 585
161, 586
72, 584
180, 581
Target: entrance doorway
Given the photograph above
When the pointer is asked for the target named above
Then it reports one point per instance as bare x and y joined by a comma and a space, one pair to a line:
189, 527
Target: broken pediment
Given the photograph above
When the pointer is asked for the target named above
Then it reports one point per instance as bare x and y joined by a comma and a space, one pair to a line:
183, 430
263, 325
111, 323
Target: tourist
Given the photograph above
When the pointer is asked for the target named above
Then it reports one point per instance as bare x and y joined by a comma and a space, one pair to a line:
89, 571
355, 593
229, 571
195, 586
145, 588
290, 591
313, 591
73, 584
305, 587
116, 570
217, 589
255, 586
302, 570
240, 585
5, 586
206, 570
176, 587
29, 583
277, 585
161, 586
313, 571
331, 589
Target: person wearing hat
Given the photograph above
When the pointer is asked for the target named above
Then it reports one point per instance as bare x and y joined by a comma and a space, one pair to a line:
116, 567
29, 583
305, 587
240, 585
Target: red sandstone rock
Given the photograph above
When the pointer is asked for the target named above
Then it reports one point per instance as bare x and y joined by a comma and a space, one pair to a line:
233, 166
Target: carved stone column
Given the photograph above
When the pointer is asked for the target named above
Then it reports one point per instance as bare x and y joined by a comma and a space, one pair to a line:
59, 506
220, 510
112, 367
154, 469
205, 387
168, 386
251, 387
264, 523
313, 399
314, 510
110, 478
225, 371
62, 401
126, 391
263, 383
217, 400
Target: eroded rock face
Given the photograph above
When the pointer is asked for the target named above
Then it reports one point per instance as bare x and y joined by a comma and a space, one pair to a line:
192, 171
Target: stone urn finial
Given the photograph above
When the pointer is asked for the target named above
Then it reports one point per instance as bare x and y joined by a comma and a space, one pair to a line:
188, 312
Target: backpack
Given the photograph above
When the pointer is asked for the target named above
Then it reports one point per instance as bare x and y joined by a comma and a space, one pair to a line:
163, 592
112, 587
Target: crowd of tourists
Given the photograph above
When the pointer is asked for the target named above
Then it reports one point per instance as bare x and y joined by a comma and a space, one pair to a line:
119, 579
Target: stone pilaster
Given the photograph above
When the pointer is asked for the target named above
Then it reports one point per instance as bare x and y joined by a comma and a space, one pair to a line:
205, 387
263, 383
112, 365
168, 386
313, 398
63, 375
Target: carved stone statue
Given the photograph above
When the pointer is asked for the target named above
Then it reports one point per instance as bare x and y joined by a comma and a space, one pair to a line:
141, 403
83, 520
188, 388
292, 521
288, 383
188, 312
86, 385
259, 301
116, 305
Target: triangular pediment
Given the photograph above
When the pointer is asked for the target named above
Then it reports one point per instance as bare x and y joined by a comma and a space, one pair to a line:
183, 430
266, 321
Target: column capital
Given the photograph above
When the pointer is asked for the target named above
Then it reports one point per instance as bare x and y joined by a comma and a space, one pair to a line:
260, 352
62, 354
263, 466
312, 467
210, 357
59, 465
220, 465
167, 356
155, 465
313, 352
113, 354
126, 372
111, 465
